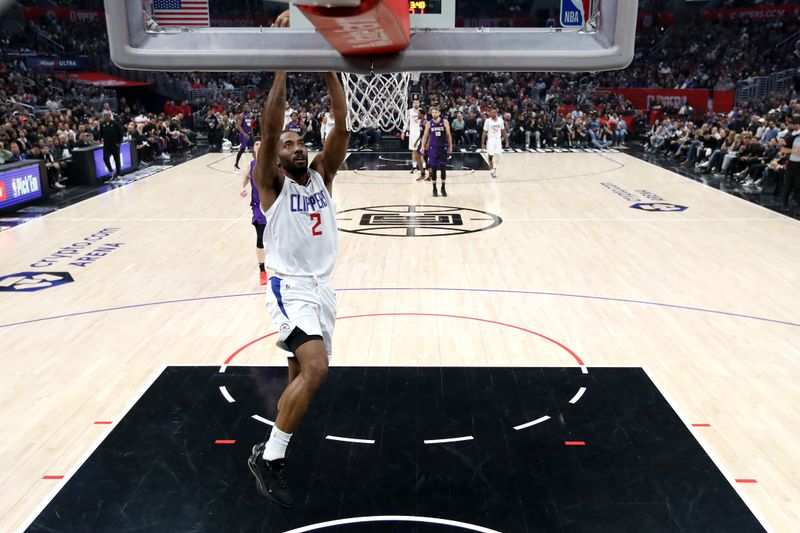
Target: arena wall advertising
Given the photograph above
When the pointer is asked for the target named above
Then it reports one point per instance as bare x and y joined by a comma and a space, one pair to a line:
697, 98
65, 13
754, 12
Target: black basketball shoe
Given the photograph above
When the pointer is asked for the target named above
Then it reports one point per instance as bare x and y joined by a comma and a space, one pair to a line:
270, 476
444, 191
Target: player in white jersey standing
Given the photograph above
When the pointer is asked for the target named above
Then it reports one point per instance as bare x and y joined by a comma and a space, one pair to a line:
328, 123
494, 128
301, 239
413, 132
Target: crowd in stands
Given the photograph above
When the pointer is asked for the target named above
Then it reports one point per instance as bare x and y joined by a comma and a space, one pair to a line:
742, 147
43, 116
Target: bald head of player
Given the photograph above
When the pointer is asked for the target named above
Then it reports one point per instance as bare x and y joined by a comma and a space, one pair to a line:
292, 155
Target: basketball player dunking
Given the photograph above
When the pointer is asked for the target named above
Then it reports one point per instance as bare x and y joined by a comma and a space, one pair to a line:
301, 237
244, 124
437, 142
258, 220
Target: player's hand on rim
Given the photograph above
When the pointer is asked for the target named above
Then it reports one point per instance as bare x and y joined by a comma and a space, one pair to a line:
283, 20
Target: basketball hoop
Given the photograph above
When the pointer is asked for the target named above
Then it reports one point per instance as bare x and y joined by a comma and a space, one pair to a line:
377, 100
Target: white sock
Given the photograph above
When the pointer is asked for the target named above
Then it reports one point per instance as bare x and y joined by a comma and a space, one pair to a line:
276, 445
415, 165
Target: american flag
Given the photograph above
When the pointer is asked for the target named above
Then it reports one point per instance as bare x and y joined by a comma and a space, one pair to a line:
170, 13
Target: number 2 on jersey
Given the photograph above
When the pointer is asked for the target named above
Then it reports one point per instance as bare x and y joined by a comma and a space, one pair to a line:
317, 218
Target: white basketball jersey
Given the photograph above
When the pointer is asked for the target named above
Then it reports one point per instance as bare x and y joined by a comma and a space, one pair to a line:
287, 117
301, 236
494, 127
413, 122
330, 122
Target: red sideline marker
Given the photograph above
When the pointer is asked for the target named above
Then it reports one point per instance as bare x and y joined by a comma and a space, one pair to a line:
575, 443
701, 425
746, 481
52, 477
224, 441
375, 27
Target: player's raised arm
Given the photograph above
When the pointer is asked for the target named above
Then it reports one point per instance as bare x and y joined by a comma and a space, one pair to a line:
335, 150
268, 176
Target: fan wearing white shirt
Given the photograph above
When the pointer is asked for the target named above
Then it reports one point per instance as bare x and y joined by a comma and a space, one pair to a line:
494, 131
287, 115
328, 123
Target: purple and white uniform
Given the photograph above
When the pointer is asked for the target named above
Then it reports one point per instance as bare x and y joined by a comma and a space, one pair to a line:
247, 127
255, 199
295, 126
437, 153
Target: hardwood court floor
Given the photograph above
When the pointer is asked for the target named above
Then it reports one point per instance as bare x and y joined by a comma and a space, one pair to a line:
705, 298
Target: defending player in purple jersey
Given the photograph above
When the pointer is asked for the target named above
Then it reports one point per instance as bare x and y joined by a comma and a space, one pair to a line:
295, 125
437, 142
258, 219
244, 123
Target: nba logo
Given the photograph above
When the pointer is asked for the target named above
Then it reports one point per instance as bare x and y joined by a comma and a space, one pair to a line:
575, 12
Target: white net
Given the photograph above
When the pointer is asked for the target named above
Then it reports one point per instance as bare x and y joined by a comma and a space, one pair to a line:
377, 100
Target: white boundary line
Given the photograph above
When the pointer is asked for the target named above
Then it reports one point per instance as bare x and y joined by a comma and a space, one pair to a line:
445, 441
62, 483
710, 452
346, 439
532, 423
389, 518
224, 390
578, 395
263, 420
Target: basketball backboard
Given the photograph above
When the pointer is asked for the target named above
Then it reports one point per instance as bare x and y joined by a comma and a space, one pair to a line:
446, 35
